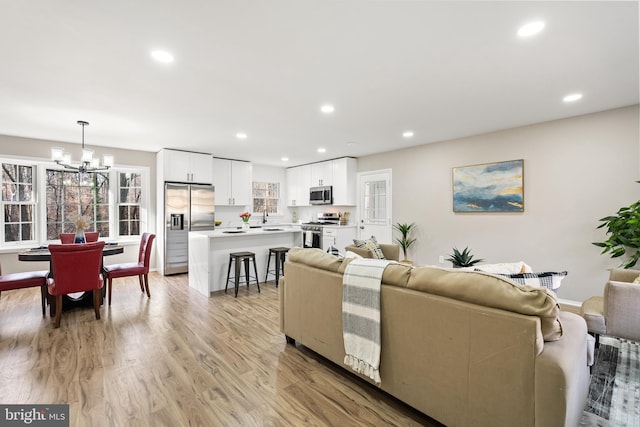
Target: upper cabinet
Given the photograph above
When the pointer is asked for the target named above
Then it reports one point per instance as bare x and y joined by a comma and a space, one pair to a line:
321, 174
298, 183
339, 173
184, 166
233, 181
344, 181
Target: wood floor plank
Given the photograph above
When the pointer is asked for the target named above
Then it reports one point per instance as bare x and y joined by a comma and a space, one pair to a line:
180, 359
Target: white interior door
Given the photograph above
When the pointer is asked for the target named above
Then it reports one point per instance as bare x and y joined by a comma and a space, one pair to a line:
374, 205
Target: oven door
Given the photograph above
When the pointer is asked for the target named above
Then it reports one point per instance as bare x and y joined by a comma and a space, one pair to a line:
312, 239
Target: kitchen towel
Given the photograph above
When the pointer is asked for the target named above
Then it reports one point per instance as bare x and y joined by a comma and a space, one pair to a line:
308, 238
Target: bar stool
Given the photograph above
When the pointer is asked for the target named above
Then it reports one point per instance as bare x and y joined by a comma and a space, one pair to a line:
280, 254
239, 257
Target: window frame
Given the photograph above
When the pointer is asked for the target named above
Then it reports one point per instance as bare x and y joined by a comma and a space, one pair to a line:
140, 204
40, 209
279, 212
34, 202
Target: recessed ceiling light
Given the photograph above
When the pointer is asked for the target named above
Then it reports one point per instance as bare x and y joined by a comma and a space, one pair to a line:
241, 135
322, 150
407, 134
531, 28
573, 97
162, 56
327, 109
284, 159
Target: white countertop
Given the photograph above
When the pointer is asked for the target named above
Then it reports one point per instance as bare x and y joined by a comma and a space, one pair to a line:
263, 231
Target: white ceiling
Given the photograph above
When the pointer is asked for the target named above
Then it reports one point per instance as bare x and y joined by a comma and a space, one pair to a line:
442, 69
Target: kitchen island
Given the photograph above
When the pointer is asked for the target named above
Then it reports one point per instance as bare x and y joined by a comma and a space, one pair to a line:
209, 253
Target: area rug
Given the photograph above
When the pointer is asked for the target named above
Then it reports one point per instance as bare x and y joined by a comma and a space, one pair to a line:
614, 391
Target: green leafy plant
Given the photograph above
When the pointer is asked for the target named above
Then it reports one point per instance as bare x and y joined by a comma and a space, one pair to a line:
463, 259
623, 229
405, 241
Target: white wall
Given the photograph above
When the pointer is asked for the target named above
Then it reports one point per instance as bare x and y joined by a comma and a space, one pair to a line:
576, 171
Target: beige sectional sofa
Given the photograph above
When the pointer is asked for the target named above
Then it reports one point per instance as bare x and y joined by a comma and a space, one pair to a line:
465, 348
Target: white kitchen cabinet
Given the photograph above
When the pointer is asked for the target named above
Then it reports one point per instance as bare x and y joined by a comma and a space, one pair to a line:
321, 174
298, 183
344, 181
338, 237
233, 181
185, 166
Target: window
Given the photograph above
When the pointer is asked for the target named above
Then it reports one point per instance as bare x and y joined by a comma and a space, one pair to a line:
266, 196
18, 202
39, 201
73, 194
130, 192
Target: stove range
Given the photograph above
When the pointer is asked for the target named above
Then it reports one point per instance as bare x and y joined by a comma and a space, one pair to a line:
323, 219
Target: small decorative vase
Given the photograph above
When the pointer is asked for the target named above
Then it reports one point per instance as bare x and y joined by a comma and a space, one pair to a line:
79, 236
245, 225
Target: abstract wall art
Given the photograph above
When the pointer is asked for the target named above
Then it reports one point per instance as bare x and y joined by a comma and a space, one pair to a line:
489, 187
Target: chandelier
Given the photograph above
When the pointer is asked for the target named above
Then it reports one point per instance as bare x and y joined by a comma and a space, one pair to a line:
87, 163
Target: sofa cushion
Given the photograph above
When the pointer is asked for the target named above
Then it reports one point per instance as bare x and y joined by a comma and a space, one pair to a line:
491, 291
316, 258
372, 245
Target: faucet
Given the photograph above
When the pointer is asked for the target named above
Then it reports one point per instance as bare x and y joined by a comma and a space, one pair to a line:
264, 216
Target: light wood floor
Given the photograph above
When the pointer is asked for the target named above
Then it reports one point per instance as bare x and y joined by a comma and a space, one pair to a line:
180, 359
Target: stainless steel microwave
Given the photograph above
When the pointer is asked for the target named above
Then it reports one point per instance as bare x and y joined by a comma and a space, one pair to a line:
321, 195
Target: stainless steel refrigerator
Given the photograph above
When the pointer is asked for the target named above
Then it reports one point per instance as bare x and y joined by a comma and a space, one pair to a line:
187, 207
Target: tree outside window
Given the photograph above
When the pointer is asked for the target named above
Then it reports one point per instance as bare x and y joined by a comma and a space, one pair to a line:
70, 194
266, 196
18, 202
130, 193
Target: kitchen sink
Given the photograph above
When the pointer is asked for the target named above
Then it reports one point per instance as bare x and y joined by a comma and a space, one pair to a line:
255, 226
273, 229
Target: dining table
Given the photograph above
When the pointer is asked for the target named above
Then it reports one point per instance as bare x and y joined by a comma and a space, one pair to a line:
78, 299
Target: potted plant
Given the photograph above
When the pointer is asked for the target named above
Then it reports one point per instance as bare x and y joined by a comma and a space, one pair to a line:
623, 229
405, 240
462, 259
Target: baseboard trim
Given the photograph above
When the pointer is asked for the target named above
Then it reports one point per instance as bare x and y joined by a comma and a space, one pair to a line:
570, 302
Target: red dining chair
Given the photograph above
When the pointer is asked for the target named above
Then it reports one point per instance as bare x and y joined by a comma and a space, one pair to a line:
140, 268
91, 236
9, 282
76, 268
67, 238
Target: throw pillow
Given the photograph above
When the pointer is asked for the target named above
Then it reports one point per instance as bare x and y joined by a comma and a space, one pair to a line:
372, 245
637, 280
334, 251
551, 280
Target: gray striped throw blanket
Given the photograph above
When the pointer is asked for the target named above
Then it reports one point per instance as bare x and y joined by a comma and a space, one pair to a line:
361, 315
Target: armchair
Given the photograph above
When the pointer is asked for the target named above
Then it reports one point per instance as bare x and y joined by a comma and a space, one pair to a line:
67, 238
9, 282
616, 313
91, 236
140, 268
76, 268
